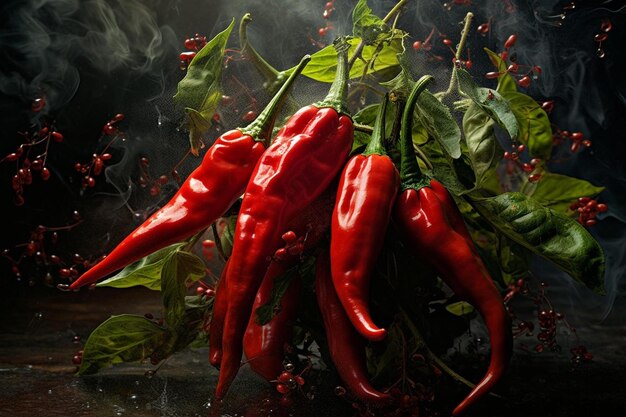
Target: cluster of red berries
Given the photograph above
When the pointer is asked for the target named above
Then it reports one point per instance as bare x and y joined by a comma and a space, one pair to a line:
193, 45
577, 139
36, 249
588, 209
329, 8
426, 46
605, 28
523, 74
95, 166
27, 163
294, 245
533, 168
154, 184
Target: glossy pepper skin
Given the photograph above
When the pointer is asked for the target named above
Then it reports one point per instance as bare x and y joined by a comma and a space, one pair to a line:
207, 193
294, 171
346, 346
367, 191
433, 228
264, 344
306, 231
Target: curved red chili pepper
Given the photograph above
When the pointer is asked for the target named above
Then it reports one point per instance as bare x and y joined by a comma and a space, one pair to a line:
293, 172
205, 195
346, 347
367, 191
264, 344
433, 228
308, 228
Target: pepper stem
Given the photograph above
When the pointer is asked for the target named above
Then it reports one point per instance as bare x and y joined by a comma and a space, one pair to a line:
376, 146
411, 175
248, 52
261, 128
337, 94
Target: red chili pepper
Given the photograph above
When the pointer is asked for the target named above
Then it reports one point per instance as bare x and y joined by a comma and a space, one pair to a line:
205, 195
433, 228
304, 159
307, 229
345, 345
264, 344
367, 191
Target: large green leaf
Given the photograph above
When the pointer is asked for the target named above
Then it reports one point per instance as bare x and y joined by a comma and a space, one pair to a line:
179, 271
558, 191
323, 64
490, 101
123, 338
482, 145
145, 272
199, 92
365, 24
548, 234
534, 124
436, 118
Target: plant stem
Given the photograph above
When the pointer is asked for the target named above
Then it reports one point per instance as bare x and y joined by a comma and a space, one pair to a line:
459, 50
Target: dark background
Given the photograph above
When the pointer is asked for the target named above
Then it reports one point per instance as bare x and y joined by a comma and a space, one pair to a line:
94, 59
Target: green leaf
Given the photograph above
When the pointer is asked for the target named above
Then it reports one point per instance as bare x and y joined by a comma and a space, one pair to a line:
505, 81
551, 235
490, 101
146, 271
180, 270
558, 191
199, 92
323, 64
228, 235
481, 141
460, 308
535, 128
123, 338
436, 118
513, 258
264, 313
365, 24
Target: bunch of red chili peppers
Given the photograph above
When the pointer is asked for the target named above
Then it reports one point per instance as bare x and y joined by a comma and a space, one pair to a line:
306, 171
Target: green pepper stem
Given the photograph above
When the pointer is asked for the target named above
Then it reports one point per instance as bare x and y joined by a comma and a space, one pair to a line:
337, 94
261, 128
376, 146
411, 175
248, 52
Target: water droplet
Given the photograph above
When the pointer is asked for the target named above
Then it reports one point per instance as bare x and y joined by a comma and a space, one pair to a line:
600, 53
38, 315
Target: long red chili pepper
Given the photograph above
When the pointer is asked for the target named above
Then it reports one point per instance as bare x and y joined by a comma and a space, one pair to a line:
367, 191
434, 229
346, 346
303, 233
264, 344
294, 171
205, 195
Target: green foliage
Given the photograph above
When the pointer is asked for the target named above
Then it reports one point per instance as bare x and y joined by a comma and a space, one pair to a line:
551, 235
123, 338
199, 92
365, 24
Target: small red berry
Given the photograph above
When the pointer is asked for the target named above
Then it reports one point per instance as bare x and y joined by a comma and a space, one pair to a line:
524, 81
417, 45
510, 42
